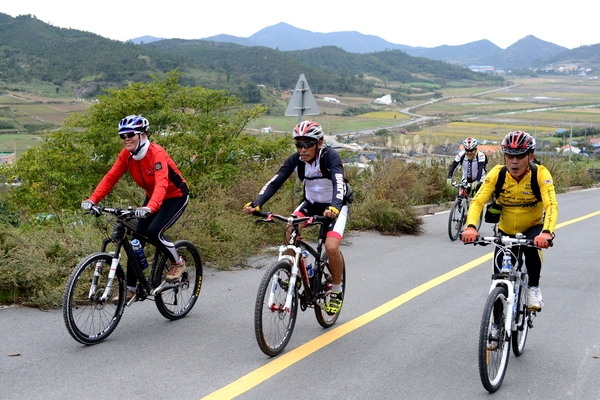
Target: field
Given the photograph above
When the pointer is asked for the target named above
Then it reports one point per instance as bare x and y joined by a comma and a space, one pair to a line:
538, 105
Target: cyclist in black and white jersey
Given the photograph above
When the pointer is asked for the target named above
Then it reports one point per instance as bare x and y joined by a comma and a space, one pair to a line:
472, 163
324, 194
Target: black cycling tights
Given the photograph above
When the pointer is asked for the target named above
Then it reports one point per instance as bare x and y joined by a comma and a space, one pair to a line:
154, 228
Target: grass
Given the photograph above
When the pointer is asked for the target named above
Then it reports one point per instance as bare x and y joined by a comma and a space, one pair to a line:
17, 142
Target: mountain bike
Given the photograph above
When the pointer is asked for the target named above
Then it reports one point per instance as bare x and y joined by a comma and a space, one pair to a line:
506, 318
95, 294
288, 281
459, 210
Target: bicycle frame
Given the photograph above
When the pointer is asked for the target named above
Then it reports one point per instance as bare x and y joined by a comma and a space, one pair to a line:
296, 244
121, 231
511, 280
463, 193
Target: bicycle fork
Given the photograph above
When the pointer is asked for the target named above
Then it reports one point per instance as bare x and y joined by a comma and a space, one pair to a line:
292, 282
111, 277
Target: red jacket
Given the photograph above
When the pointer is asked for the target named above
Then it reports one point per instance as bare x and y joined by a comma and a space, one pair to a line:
156, 173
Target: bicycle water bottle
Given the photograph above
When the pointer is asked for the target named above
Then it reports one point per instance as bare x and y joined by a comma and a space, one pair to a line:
139, 252
309, 266
506, 264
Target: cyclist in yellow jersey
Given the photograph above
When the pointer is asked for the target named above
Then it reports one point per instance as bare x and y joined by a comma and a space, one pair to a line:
521, 210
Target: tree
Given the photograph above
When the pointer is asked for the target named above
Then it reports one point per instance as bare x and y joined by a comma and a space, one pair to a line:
200, 128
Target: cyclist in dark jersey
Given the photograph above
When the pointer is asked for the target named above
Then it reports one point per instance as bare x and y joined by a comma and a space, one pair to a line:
324, 194
166, 190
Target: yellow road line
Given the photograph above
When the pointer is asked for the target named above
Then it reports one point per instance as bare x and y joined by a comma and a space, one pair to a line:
285, 360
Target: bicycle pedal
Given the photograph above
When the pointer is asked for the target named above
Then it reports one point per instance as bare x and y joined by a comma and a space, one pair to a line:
133, 300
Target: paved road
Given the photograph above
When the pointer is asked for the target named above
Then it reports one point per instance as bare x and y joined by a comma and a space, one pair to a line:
408, 329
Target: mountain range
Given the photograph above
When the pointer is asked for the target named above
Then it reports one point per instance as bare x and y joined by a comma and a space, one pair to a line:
87, 63
527, 52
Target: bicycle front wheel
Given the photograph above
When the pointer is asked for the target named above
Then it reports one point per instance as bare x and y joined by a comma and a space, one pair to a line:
273, 323
493, 344
88, 318
322, 284
177, 299
522, 319
455, 220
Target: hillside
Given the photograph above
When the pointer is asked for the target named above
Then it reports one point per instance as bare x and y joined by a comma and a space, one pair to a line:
588, 55
392, 65
32, 49
260, 65
526, 52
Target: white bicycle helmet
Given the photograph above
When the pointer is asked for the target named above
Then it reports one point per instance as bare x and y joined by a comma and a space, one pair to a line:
470, 144
134, 123
308, 129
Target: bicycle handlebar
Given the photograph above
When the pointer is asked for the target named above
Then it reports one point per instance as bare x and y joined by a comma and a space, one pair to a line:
462, 184
505, 241
98, 210
293, 220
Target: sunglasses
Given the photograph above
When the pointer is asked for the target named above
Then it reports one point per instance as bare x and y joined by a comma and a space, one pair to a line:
518, 156
127, 135
305, 145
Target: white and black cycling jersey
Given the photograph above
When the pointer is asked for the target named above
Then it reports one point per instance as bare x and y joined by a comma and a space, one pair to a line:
324, 187
473, 169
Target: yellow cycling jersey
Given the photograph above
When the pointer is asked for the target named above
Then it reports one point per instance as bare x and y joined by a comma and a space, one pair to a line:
520, 208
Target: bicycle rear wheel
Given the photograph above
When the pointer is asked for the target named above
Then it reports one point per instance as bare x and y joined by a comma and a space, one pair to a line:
322, 283
177, 300
273, 324
522, 319
455, 220
88, 319
493, 350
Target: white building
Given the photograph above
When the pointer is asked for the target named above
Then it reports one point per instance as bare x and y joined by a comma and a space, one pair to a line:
385, 100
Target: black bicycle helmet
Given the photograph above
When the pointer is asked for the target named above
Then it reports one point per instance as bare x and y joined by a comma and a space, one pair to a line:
518, 142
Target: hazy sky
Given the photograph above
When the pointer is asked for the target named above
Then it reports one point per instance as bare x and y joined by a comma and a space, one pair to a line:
413, 23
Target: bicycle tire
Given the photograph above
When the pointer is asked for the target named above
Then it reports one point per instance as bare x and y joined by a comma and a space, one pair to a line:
322, 283
88, 319
493, 362
176, 302
455, 220
273, 327
519, 337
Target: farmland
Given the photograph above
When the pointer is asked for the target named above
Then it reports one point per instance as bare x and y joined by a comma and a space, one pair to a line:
537, 105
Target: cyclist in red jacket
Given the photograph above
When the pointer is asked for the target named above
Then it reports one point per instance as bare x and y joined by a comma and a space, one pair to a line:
166, 190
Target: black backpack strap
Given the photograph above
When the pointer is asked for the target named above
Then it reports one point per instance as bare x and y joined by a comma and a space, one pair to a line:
500, 182
300, 170
535, 185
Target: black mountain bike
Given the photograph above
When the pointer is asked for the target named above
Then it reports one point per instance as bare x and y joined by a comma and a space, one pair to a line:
459, 211
288, 282
94, 298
